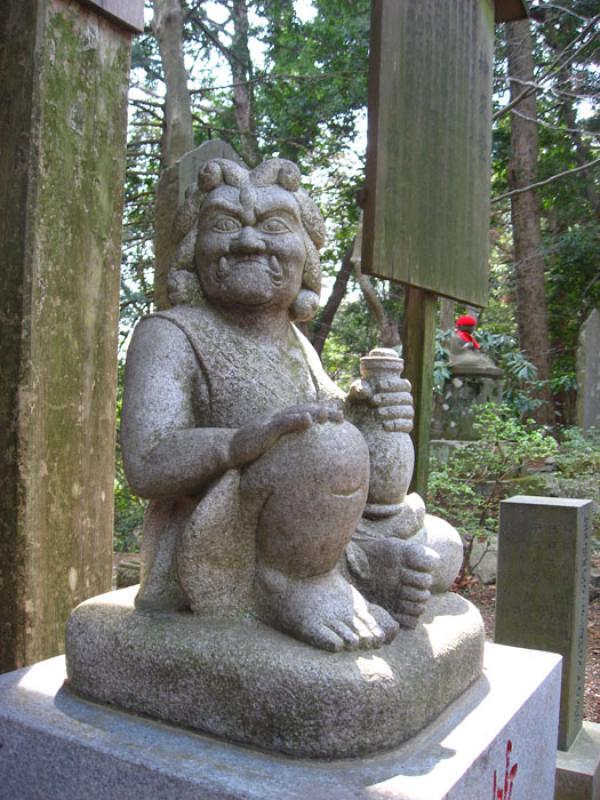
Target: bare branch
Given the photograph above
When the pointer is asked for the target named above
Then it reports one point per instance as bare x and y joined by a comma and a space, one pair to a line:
538, 13
556, 65
340, 285
562, 128
273, 77
552, 178
389, 334
535, 85
136, 142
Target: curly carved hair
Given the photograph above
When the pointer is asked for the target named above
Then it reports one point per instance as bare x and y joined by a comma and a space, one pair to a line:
183, 284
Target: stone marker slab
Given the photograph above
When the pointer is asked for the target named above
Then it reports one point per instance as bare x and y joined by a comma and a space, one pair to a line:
543, 589
58, 746
588, 373
578, 769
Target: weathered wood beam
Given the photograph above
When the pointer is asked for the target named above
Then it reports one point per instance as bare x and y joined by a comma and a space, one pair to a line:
418, 337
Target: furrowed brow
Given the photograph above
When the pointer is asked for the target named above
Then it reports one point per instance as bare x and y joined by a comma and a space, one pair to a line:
285, 210
223, 206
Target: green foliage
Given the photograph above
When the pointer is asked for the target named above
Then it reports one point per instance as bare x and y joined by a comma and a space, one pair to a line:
567, 113
129, 509
573, 290
468, 488
308, 111
356, 332
441, 372
578, 465
129, 514
579, 453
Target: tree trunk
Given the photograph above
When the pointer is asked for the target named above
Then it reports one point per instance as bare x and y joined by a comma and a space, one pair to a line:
447, 314
320, 334
243, 92
389, 333
178, 135
525, 212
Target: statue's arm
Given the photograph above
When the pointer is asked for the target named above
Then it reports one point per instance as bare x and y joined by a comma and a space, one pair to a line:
165, 452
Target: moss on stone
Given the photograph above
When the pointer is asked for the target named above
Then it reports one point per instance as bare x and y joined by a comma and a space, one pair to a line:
68, 374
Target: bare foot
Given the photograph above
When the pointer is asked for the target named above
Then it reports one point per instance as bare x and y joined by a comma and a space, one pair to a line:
324, 611
398, 576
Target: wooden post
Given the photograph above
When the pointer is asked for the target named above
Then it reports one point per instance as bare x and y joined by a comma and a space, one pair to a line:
418, 338
63, 79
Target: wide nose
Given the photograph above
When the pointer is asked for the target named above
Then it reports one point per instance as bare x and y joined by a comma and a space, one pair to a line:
248, 241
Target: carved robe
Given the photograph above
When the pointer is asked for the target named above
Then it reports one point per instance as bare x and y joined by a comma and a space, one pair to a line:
235, 382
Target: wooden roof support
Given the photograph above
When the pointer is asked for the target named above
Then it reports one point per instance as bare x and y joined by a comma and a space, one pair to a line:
509, 10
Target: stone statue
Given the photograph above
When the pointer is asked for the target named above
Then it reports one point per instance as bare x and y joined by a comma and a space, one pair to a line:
475, 380
465, 356
226, 402
276, 501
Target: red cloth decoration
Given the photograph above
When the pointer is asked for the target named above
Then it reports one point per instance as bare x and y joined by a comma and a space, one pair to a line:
467, 319
468, 337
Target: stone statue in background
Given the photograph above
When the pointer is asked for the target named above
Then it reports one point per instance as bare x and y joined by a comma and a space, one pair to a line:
465, 356
474, 380
278, 512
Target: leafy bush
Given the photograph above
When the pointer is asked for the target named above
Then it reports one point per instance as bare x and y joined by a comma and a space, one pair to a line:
129, 509
468, 488
579, 453
129, 513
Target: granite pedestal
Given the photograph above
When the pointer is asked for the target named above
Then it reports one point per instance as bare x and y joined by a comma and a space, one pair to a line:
578, 768
55, 745
243, 681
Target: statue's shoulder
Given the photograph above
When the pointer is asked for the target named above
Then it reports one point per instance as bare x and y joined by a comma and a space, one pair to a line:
180, 315
196, 322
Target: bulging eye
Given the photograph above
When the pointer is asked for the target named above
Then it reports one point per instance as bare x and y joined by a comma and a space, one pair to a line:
226, 225
274, 225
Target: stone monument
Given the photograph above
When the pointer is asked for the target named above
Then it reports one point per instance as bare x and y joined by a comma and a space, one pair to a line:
293, 596
588, 372
552, 537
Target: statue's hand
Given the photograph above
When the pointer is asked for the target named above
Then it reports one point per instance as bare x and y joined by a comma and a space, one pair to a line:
415, 583
391, 398
399, 577
251, 441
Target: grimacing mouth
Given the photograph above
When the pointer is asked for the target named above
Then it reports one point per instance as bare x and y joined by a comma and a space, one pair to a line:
270, 264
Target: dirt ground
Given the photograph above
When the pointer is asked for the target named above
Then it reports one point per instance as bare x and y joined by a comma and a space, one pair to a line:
484, 597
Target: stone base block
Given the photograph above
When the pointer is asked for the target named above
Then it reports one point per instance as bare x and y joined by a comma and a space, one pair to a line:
500, 734
578, 768
245, 682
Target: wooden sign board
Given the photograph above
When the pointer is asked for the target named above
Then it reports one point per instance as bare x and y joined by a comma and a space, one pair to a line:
429, 147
